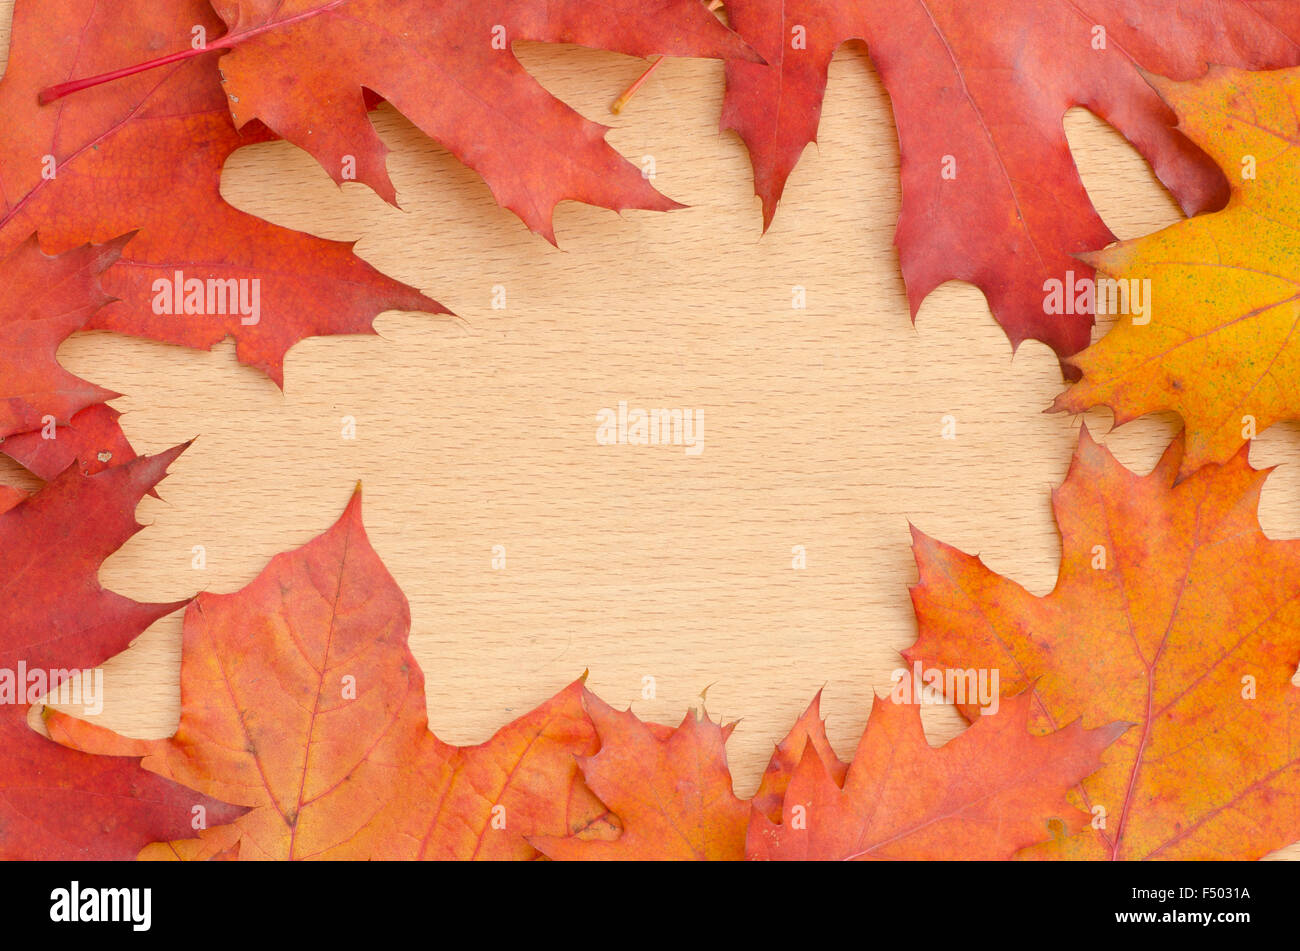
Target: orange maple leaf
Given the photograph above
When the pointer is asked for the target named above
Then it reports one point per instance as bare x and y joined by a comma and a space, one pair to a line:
1172, 610
300, 699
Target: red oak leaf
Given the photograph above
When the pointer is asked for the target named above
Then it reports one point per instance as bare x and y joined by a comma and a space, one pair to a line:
991, 194
58, 804
990, 792
145, 153
447, 65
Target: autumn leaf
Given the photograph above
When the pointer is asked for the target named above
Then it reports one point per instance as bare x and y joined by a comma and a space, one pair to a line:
9, 497
1215, 338
56, 803
145, 153
92, 440
59, 805
57, 614
300, 699
1172, 611
447, 65
44, 301
808, 732
49, 418
985, 794
991, 194
670, 789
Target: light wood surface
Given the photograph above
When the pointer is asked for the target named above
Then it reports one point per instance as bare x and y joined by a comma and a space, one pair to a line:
822, 426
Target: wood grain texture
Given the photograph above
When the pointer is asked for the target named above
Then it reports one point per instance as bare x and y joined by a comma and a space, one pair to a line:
822, 426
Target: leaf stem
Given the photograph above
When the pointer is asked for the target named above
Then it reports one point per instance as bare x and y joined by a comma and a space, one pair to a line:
229, 41
51, 93
617, 105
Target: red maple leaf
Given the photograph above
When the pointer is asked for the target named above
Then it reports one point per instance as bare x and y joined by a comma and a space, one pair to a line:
57, 619
57, 615
45, 300
92, 439
49, 418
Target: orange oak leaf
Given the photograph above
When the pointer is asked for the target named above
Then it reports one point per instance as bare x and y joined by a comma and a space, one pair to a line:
145, 154
92, 439
1209, 306
56, 803
301, 700
1172, 611
979, 88
447, 65
670, 789
983, 795
44, 301
809, 731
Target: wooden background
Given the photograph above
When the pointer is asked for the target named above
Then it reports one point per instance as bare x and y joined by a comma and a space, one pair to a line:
822, 426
